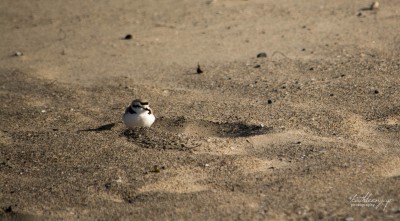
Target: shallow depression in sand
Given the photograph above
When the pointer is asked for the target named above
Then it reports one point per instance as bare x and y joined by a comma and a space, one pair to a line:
182, 133
211, 129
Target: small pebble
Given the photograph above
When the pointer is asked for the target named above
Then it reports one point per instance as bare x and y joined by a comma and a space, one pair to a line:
269, 101
155, 169
303, 49
8, 209
374, 6
18, 54
262, 55
43, 111
311, 69
349, 219
107, 185
376, 91
199, 71
257, 66
128, 37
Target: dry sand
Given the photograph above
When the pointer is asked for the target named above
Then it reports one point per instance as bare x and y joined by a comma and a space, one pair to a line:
296, 135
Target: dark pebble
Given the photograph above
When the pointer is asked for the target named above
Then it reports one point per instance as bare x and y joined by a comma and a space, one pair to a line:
199, 71
269, 101
359, 14
262, 55
155, 169
107, 185
331, 95
257, 66
303, 49
376, 91
311, 69
128, 37
8, 209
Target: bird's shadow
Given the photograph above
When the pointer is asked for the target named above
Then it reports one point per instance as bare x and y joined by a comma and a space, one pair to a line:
191, 73
366, 9
104, 127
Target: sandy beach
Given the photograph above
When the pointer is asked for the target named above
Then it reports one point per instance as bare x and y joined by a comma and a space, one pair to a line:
295, 116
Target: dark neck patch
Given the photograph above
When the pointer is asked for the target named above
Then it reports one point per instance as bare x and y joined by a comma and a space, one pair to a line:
130, 110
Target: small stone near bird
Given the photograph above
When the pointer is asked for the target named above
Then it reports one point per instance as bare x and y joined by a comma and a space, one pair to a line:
156, 169
262, 55
199, 71
374, 6
128, 37
18, 54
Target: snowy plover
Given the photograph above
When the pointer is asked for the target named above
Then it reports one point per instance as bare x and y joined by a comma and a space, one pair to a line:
138, 114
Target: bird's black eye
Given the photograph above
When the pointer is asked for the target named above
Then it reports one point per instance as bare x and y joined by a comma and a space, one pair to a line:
136, 106
144, 103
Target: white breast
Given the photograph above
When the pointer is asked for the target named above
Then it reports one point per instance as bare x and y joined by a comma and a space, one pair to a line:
138, 120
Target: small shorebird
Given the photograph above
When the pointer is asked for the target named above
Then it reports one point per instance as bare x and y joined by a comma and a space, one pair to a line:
138, 114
